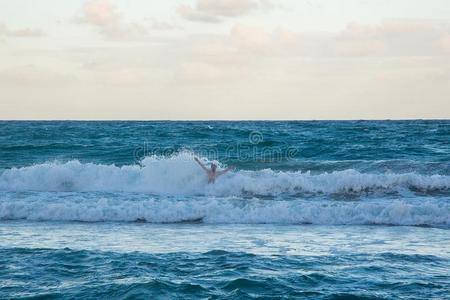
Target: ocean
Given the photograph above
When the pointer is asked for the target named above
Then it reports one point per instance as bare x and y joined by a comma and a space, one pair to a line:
311, 210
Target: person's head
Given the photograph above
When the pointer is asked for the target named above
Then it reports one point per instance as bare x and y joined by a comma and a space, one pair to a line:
213, 167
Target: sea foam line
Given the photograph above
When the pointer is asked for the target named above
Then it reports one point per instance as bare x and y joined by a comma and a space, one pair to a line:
92, 208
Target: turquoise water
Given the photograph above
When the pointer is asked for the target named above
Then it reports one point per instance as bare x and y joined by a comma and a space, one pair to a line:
319, 210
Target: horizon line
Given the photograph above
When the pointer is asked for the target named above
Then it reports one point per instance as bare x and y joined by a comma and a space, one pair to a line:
217, 120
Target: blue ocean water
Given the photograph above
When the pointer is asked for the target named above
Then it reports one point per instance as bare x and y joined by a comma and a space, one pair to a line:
313, 209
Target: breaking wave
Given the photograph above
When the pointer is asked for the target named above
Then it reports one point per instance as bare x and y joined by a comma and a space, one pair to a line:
89, 207
174, 189
180, 175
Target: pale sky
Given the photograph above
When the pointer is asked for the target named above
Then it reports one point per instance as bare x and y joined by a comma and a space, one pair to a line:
224, 59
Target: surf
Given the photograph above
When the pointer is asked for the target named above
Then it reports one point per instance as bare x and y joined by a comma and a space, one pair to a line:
95, 207
179, 175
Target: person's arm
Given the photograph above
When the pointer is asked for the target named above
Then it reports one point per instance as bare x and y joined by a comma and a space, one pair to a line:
201, 165
225, 171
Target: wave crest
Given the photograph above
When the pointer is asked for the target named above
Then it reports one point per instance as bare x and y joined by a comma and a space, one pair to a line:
91, 208
180, 175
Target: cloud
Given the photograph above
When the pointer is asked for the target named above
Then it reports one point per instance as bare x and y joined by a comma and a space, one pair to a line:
245, 43
252, 50
192, 14
226, 8
250, 37
256, 38
390, 38
23, 32
239, 54
214, 11
247, 46
401, 37
110, 23
444, 42
392, 28
103, 15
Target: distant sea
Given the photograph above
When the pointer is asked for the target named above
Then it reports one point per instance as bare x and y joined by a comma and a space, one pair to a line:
313, 209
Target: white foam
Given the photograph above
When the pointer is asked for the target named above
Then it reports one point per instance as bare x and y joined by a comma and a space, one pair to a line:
90, 207
180, 175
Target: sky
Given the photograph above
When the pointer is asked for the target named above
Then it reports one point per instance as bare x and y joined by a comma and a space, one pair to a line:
224, 59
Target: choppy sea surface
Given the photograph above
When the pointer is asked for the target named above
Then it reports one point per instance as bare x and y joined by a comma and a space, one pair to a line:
313, 209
